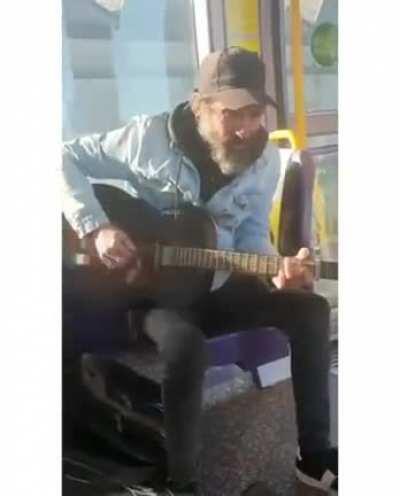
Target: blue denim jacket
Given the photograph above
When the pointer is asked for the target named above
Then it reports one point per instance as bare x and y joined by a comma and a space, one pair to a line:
144, 154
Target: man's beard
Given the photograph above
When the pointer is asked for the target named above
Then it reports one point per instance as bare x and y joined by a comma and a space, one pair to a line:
231, 160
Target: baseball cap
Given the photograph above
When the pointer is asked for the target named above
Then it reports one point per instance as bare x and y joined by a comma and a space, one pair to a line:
235, 77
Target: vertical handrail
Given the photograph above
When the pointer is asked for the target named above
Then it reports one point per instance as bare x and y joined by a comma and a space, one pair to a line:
298, 75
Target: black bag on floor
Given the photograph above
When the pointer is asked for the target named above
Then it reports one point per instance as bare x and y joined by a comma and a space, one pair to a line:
110, 401
91, 474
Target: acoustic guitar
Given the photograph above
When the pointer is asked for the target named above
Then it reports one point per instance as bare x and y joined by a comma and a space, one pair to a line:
178, 251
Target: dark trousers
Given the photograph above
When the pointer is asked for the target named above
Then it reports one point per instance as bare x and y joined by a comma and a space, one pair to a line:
242, 303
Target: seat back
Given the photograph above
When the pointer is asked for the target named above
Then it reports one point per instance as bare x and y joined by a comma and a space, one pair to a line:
291, 213
295, 223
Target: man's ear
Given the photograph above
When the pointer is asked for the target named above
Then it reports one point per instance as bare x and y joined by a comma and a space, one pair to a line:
195, 103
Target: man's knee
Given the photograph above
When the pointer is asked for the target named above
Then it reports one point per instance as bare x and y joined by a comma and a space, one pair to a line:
179, 341
316, 311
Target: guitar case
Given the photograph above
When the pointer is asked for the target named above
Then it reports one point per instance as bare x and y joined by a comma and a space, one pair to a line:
87, 474
112, 426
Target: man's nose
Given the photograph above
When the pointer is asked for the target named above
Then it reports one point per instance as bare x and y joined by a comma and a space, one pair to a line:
244, 132
245, 129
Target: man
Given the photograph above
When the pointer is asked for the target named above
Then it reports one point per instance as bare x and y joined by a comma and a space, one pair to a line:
213, 152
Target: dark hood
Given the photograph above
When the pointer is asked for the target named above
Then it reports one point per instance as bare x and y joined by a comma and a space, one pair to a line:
183, 132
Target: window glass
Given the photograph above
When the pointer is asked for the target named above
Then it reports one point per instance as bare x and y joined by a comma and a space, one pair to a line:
124, 57
320, 35
242, 24
325, 205
323, 141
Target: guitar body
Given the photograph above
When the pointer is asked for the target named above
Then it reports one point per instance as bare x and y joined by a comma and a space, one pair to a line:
146, 226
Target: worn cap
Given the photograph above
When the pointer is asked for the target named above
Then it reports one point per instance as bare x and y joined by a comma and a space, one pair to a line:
235, 77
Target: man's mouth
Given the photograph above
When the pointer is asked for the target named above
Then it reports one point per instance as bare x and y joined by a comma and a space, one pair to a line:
239, 143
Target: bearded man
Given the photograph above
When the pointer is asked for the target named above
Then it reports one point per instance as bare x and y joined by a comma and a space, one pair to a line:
211, 152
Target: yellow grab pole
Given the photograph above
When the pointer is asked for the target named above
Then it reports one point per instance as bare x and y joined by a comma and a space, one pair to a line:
298, 76
284, 134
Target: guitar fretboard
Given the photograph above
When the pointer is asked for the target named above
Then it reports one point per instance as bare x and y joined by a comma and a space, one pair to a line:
221, 260
251, 263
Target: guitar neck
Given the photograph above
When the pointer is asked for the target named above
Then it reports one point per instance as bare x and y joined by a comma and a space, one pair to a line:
250, 263
202, 258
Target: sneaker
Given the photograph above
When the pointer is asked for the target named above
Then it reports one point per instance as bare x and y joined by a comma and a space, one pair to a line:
319, 470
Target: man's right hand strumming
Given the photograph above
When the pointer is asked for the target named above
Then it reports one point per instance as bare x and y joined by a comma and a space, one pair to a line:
113, 247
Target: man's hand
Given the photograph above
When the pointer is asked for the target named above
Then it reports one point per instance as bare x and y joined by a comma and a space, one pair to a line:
113, 247
294, 272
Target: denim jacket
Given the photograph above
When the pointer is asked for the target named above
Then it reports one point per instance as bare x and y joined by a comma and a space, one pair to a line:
144, 154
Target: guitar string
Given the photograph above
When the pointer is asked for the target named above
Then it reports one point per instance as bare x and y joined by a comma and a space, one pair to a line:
230, 260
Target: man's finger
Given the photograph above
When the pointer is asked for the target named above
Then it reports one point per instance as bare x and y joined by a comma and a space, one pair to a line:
120, 251
279, 280
132, 273
291, 267
112, 261
127, 242
287, 269
303, 253
107, 261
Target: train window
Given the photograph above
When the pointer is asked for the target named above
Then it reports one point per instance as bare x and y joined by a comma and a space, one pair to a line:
320, 37
325, 204
124, 57
242, 24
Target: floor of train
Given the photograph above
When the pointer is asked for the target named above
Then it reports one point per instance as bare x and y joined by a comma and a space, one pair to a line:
252, 437
249, 433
